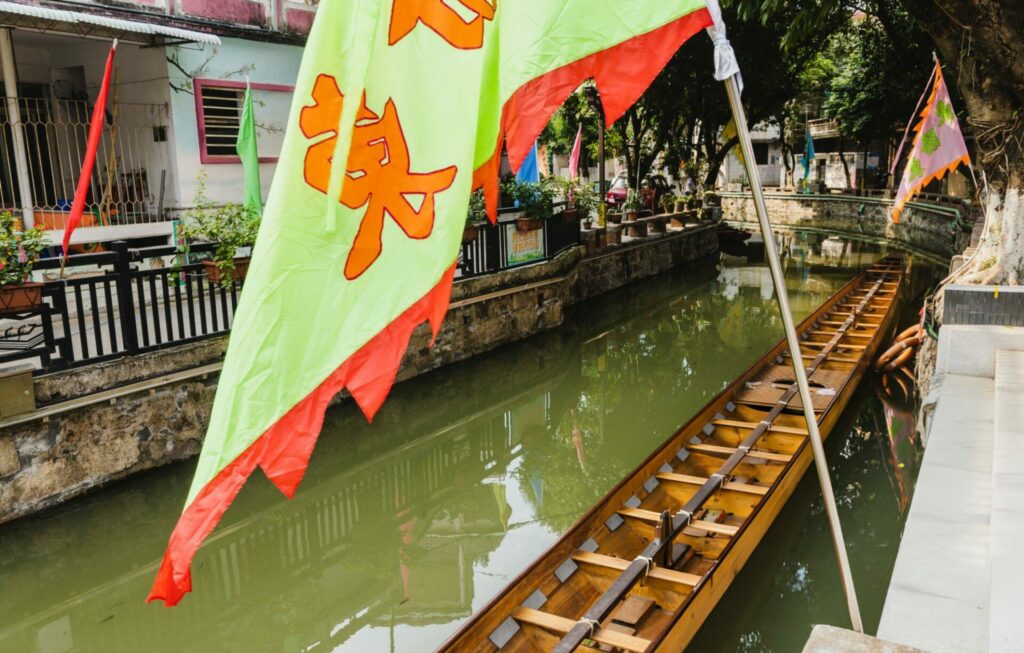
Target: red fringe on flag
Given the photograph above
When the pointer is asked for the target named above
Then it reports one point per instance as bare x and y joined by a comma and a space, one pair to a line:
621, 73
283, 451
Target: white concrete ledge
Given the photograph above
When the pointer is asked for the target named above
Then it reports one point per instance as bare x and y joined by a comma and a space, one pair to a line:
970, 350
938, 598
829, 639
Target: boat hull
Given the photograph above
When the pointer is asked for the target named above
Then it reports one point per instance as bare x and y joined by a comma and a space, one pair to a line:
680, 615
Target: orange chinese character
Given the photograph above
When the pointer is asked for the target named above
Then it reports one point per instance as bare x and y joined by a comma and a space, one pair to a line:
443, 19
377, 175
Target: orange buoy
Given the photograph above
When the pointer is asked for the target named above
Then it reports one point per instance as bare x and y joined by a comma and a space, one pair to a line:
899, 353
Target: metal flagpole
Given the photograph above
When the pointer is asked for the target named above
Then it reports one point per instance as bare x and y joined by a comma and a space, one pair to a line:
728, 71
732, 87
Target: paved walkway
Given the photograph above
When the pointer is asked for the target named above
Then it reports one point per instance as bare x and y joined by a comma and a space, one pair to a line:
958, 583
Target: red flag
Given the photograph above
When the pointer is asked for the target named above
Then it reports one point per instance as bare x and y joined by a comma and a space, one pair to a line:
574, 159
95, 131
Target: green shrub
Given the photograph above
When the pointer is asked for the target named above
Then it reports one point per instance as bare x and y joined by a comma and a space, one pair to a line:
230, 226
19, 250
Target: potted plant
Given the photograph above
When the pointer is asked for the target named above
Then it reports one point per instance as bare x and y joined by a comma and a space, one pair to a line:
633, 205
614, 235
568, 189
476, 214
229, 226
669, 203
536, 200
585, 200
19, 252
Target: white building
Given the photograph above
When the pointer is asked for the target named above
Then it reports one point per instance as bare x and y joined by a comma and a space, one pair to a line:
173, 110
767, 153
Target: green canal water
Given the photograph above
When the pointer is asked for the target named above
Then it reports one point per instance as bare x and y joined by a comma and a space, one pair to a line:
403, 528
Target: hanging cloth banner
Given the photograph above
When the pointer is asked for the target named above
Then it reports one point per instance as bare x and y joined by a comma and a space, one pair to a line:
574, 157
938, 145
529, 169
247, 147
808, 153
401, 107
99, 113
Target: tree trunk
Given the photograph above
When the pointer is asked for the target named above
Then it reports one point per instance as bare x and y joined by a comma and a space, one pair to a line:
842, 159
983, 52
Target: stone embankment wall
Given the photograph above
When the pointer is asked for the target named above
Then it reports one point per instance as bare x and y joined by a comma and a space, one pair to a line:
934, 230
107, 421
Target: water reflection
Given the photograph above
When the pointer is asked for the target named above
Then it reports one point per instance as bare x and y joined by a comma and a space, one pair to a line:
402, 529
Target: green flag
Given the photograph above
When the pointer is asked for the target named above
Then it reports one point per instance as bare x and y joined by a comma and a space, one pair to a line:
246, 147
401, 108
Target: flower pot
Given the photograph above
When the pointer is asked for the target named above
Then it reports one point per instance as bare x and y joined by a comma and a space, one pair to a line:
637, 229
470, 233
588, 223
528, 224
680, 207
213, 273
614, 218
23, 297
613, 236
631, 216
570, 216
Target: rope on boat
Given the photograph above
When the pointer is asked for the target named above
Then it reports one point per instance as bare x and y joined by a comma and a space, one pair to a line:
592, 624
648, 561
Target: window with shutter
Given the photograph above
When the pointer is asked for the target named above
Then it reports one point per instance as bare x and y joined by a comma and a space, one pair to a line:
219, 113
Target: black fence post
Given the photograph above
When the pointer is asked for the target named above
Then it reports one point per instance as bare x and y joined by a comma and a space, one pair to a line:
125, 299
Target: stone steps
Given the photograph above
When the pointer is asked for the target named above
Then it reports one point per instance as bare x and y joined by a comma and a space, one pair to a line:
1006, 532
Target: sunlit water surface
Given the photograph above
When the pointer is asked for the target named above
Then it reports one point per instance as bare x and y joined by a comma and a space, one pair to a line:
402, 529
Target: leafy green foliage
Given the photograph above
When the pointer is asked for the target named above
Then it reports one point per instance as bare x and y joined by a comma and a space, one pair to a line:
578, 195
230, 226
536, 199
668, 202
19, 250
678, 120
477, 208
881, 62
634, 201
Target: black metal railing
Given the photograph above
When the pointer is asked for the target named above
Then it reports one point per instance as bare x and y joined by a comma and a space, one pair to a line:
510, 244
123, 307
128, 301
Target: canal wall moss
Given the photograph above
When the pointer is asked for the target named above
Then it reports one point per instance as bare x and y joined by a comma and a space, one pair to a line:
107, 421
939, 230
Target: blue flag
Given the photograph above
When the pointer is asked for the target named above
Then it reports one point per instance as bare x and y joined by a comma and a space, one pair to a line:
530, 170
808, 153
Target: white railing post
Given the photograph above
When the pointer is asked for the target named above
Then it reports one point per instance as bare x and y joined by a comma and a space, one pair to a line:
10, 77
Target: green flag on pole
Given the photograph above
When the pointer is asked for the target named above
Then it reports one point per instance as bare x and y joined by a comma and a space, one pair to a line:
246, 146
401, 108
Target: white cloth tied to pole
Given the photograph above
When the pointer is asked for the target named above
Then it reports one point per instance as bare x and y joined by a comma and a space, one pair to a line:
725, 59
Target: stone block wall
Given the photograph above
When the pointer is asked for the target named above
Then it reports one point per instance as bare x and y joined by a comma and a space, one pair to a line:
931, 230
47, 460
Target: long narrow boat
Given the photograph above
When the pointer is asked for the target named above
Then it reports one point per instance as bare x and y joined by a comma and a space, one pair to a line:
645, 566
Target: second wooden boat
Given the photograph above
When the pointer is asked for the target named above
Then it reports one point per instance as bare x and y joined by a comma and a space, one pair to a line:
645, 566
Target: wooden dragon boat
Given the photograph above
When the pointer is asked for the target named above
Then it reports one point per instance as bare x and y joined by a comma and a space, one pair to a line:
645, 566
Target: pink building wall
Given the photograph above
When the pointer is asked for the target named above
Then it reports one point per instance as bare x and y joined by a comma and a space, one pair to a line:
284, 16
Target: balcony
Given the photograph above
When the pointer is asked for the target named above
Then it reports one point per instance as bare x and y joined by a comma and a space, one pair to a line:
823, 128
